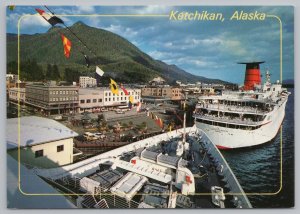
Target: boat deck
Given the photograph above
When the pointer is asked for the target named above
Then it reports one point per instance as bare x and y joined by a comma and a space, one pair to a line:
153, 193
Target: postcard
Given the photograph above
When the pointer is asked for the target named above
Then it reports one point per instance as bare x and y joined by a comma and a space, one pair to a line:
126, 107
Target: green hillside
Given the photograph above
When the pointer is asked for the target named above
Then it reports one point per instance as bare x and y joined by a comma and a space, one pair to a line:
115, 55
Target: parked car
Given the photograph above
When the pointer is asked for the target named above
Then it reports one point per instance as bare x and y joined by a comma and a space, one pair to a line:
99, 135
89, 136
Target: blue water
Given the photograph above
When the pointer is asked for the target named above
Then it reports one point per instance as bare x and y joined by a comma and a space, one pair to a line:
258, 168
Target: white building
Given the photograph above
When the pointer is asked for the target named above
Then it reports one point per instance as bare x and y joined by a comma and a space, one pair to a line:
85, 82
95, 99
13, 94
42, 142
111, 99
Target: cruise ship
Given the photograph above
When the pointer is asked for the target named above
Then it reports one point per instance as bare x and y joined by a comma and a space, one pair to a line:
176, 169
248, 117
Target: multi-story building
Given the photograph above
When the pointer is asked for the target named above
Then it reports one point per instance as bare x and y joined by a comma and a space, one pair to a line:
52, 99
111, 99
93, 100
173, 93
85, 82
90, 100
13, 94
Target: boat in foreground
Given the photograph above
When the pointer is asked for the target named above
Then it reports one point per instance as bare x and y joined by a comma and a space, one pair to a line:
177, 169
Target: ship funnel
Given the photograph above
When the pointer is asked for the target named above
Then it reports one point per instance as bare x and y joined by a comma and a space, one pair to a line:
252, 75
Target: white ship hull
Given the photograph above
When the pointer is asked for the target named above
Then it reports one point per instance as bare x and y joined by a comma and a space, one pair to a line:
229, 138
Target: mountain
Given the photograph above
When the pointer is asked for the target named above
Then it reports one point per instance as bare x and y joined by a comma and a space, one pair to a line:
115, 55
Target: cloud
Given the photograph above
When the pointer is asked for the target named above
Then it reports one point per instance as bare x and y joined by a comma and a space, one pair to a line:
27, 20
85, 9
155, 9
118, 29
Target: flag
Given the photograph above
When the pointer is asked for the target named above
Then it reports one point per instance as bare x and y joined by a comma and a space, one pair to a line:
52, 20
114, 87
99, 71
67, 45
11, 7
138, 108
131, 99
124, 90
161, 122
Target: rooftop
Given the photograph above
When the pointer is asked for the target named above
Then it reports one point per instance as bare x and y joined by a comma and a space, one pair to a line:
35, 130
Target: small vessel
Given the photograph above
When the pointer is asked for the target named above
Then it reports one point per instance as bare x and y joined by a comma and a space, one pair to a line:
244, 118
177, 169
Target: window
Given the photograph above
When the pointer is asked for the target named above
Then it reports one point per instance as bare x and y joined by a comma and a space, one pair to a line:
94, 100
39, 153
99, 100
105, 99
88, 101
60, 148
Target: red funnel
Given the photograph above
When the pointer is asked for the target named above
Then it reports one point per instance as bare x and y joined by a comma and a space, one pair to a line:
252, 75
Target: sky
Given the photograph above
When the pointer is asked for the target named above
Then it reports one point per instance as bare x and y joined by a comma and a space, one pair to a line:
204, 48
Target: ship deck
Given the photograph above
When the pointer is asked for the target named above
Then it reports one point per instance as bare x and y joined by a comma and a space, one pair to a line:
157, 188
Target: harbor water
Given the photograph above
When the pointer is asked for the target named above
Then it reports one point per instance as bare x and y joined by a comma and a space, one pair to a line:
258, 169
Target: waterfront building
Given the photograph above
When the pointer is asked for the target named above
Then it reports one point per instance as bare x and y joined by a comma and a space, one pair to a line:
111, 100
173, 93
52, 99
90, 99
95, 99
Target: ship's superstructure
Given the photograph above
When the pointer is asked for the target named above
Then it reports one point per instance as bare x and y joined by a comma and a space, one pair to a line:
163, 171
248, 117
